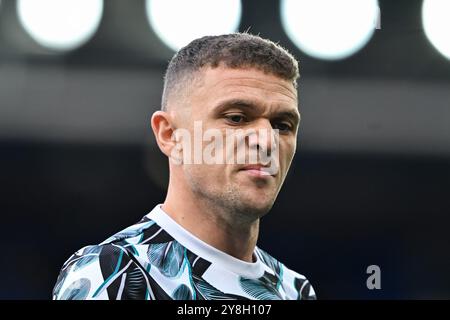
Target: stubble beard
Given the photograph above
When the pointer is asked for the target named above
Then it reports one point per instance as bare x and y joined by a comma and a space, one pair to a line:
230, 203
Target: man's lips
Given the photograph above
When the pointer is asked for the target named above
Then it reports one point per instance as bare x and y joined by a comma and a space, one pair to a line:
257, 170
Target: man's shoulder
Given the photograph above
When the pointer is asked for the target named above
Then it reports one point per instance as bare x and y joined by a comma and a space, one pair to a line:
117, 246
84, 274
135, 233
292, 281
94, 271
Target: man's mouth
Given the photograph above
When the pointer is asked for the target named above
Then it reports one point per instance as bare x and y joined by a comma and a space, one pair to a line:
257, 170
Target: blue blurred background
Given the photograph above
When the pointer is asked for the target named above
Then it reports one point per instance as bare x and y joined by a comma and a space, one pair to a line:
370, 182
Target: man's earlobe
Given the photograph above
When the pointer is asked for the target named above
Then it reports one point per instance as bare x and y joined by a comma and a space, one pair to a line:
163, 131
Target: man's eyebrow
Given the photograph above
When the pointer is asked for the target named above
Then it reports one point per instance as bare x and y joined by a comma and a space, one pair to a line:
292, 115
236, 103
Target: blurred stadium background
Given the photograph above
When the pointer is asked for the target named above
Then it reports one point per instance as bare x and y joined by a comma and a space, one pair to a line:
370, 183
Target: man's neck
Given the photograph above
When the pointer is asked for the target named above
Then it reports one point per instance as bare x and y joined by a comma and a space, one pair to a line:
213, 225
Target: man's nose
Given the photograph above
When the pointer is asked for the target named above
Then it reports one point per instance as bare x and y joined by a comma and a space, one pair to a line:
262, 137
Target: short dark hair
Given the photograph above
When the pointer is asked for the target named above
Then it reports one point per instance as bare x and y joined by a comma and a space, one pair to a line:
235, 50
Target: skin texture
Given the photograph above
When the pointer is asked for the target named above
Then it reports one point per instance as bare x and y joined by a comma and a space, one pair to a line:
221, 204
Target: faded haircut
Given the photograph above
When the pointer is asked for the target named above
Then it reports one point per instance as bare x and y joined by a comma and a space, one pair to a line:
236, 50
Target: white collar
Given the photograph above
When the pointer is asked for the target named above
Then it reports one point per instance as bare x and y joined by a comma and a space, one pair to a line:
204, 250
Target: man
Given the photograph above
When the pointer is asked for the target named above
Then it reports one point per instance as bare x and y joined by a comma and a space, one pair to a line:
201, 242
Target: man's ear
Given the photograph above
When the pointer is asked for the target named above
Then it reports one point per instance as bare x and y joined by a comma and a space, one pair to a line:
162, 129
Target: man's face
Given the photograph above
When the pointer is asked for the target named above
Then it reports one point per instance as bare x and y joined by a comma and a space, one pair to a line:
226, 99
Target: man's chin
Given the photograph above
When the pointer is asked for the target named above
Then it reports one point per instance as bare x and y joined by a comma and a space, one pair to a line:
256, 208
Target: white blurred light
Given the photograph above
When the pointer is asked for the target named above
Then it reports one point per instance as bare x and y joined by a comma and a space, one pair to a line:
178, 22
436, 24
60, 24
330, 29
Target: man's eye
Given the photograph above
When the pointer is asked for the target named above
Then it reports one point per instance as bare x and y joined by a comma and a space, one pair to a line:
282, 126
236, 118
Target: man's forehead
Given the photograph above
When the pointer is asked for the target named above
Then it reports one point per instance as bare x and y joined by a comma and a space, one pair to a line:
224, 79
